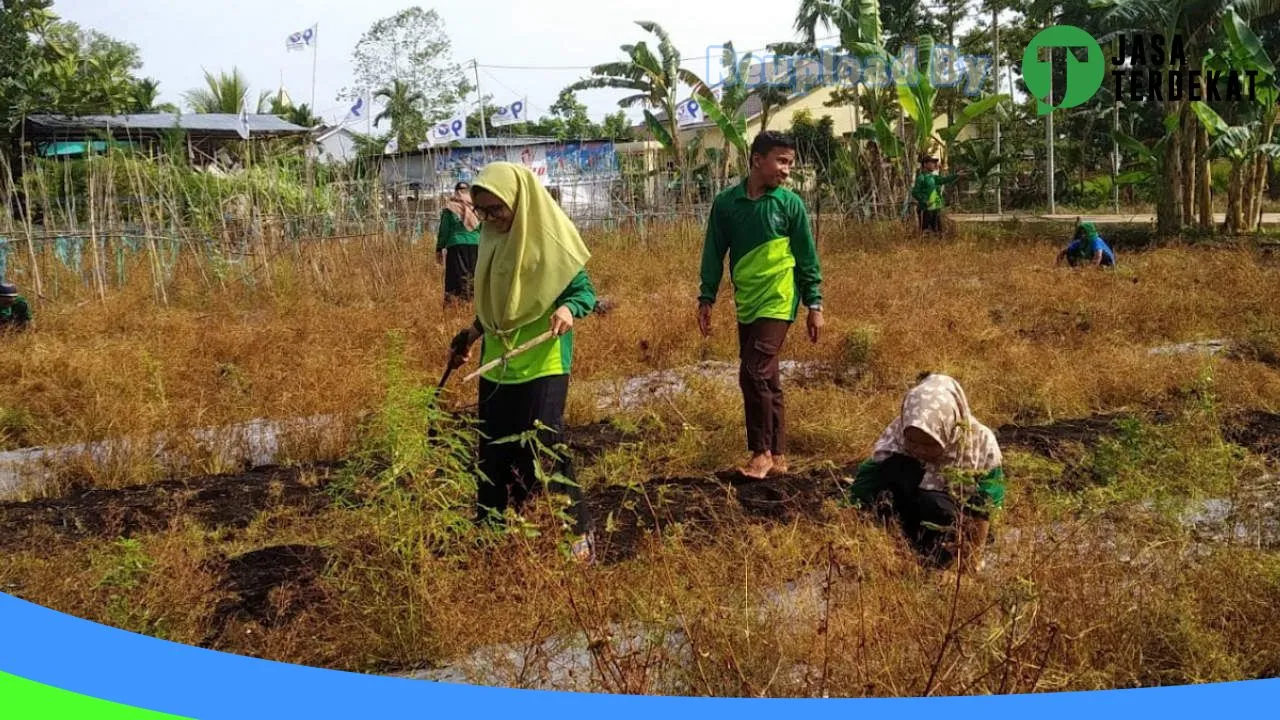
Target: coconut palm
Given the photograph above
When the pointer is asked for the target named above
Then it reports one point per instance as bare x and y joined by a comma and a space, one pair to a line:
403, 108
223, 93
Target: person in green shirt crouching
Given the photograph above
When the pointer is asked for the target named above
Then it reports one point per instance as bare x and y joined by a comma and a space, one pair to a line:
927, 193
773, 265
15, 313
943, 470
457, 243
530, 278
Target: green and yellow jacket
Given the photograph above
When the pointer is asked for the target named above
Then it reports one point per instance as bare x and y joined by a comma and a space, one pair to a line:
553, 357
928, 190
773, 263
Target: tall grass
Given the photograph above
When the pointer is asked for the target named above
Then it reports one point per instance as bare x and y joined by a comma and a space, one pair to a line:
1091, 585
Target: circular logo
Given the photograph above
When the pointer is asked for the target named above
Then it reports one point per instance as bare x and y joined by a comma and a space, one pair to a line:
1083, 78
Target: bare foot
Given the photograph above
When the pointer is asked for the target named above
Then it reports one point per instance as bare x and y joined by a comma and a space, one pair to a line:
759, 466
779, 465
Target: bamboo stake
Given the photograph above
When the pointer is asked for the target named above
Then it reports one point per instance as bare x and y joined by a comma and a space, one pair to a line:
93, 241
525, 347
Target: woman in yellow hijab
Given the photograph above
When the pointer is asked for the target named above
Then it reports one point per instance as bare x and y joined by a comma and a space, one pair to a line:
530, 278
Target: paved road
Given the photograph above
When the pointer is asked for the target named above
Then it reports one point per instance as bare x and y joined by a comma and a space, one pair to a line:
1123, 219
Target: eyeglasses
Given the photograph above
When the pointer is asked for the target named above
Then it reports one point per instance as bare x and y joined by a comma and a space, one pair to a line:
489, 212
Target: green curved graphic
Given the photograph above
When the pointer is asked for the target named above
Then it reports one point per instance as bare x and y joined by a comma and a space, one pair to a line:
22, 699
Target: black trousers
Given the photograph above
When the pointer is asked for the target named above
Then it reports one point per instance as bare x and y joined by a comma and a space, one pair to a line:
929, 518
460, 271
509, 476
930, 220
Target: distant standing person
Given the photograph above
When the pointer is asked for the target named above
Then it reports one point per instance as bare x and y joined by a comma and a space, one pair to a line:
457, 244
773, 265
1087, 248
15, 313
531, 278
927, 193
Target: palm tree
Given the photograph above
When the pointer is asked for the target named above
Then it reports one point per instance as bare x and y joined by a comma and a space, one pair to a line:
656, 81
301, 116
404, 109
223, 93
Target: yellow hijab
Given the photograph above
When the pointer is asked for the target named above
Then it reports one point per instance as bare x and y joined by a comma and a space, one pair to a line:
520, 273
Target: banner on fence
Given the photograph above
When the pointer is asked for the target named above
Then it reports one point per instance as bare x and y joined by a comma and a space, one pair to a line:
533, 157
574, 161
440, 167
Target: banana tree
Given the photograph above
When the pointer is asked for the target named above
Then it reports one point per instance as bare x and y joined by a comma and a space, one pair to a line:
1243, 146
861, 34
916, 96
655, 80
727, 111
1146, 163
1194, 21
1246, 51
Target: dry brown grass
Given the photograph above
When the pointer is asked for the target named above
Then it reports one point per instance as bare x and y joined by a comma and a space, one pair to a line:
1093, 592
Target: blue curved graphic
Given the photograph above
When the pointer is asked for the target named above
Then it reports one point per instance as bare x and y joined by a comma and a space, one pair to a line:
79, 656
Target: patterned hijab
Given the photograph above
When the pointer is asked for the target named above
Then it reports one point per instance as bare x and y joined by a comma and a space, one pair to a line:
938, 406
460, 205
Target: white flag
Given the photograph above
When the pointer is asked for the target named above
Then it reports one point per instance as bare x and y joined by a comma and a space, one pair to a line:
302, 40
242, 122
689, 112
356, 112
454, 128
509, 114
393, 146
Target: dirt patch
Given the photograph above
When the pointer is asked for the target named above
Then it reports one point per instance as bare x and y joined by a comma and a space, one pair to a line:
589, 442
699, 507
214, 501
1257, 430
269, 586
1053, 440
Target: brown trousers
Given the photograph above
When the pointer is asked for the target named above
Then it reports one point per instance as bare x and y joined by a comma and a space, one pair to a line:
758, 346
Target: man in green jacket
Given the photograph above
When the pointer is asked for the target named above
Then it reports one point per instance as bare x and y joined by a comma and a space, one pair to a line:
773, 265
928, 194
15, 313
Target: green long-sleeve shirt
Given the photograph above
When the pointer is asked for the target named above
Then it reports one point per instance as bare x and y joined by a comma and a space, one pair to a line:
869, 481
15, 316
928, 189
452, 232
773, 262
553, 357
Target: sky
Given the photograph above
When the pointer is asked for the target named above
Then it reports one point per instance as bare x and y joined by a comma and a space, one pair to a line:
179, 38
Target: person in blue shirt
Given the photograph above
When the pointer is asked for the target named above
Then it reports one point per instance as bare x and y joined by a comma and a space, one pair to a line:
1087, 248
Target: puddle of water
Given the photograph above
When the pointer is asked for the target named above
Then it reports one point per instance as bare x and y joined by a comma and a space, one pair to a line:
256, 443
635, 392
1206, 347
563, 663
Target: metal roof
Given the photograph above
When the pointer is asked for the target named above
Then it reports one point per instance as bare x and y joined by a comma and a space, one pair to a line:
204, 123
475, 142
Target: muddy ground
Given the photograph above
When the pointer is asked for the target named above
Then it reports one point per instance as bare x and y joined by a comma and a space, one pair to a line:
627, 517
